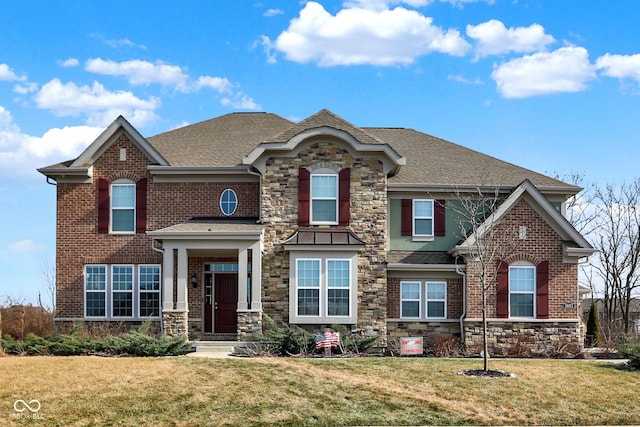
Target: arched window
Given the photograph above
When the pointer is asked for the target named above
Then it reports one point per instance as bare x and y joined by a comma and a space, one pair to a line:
228, 202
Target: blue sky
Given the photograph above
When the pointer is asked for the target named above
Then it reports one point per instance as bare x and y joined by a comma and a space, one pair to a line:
549, 85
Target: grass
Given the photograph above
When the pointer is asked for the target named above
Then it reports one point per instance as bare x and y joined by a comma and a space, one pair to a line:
182, 391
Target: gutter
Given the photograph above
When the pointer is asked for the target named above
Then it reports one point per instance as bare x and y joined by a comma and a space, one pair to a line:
259, 175
464, 301
162, 252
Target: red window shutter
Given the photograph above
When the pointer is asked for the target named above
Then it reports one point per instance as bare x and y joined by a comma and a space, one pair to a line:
502, 291
103, 206
542, 290
439, 227
304, 189
141, 205
407, 217
344, 197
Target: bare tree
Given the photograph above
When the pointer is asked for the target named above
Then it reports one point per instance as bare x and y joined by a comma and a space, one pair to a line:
487, 241
48, 274
617, 239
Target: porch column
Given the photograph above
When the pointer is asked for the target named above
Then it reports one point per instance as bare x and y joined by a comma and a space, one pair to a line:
181, 304
167, 279
242, 279
256, 276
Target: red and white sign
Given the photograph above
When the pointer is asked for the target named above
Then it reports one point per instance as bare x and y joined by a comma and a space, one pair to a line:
411, 346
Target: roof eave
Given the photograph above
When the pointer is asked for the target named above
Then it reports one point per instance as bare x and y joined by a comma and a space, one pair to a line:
396, 266
68, 174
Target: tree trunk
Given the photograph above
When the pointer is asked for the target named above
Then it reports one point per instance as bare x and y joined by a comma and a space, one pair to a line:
485, 346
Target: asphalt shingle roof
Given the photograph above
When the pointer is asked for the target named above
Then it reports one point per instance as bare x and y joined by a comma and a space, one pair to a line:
224, 141
437, 161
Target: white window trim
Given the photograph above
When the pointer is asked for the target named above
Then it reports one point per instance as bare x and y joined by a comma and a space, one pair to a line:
427, 299
523, 264
106, 287
323, 317
420, 286
319, 288
122, 183
140, 291
312, 198
109, 291
326, 270
415, 217
424, 299
235, 208
132, 291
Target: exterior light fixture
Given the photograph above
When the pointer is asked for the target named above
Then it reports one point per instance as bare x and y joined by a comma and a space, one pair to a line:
194, 280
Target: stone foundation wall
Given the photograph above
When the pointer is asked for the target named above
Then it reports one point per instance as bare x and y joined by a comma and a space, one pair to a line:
175, 324
422, 329
249, 325
525, 338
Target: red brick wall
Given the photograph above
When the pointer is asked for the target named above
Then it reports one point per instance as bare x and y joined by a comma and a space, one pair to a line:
78, 242
542, 244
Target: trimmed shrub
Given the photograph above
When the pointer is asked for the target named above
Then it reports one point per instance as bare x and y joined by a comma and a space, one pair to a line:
354, 343
133, 343
285, 340
630, 349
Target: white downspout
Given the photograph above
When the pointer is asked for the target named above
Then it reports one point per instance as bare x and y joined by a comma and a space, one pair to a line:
259, 175
162, 252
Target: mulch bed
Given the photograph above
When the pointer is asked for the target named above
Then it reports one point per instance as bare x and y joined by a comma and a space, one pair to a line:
486, 374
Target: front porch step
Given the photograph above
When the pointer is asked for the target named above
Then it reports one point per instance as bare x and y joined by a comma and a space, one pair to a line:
220, 347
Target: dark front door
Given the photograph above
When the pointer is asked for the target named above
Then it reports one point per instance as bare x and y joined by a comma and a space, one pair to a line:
225, 303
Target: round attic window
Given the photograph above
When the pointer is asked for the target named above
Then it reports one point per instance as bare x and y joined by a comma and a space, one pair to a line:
228, 202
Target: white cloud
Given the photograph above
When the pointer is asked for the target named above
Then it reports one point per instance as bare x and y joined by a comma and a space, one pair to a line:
25, 88
356, 36
620, 66
116, 43
385, 4
99, 105
21, 153
461, 79
7, 74
564, 70
241, 101
220, 84
139, 72
69, 63
493, 38
273, 12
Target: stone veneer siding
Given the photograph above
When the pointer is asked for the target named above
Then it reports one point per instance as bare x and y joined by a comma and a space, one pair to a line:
506, 338
368, 219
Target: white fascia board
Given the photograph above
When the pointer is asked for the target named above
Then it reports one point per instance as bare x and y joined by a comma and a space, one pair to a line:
106, 138
423, 267
201, 174
206, 235
323, 248
69, 175
540, 204
391, 161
